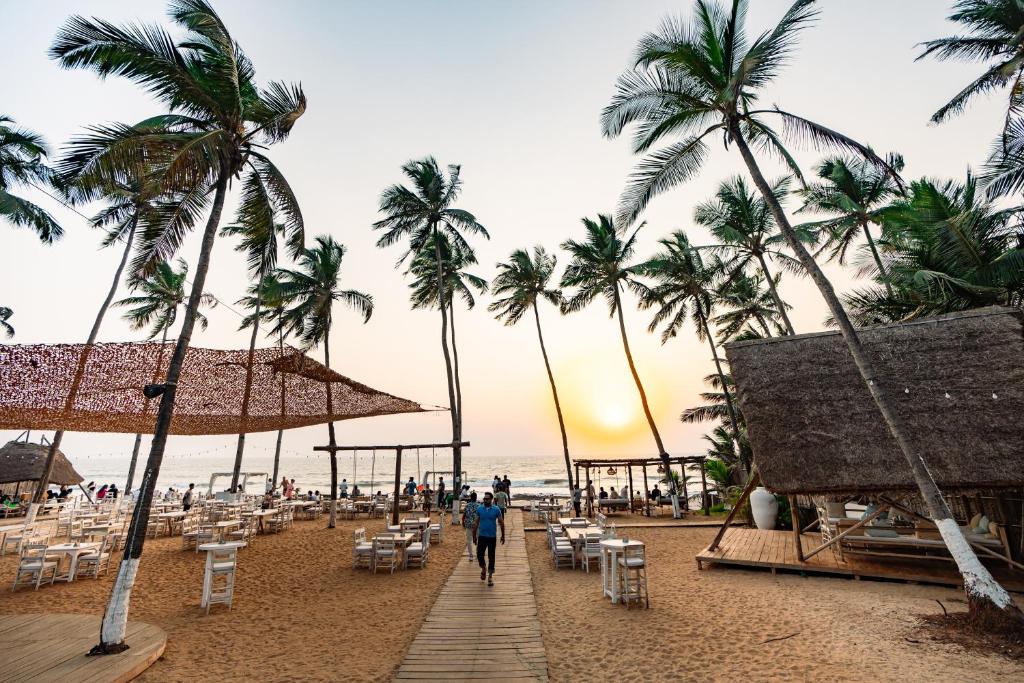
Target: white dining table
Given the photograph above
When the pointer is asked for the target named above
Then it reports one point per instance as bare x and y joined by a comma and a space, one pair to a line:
72, 550
170, 517
610, 551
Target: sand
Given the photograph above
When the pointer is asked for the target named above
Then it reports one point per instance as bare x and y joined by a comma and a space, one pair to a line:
713, 624
300, 611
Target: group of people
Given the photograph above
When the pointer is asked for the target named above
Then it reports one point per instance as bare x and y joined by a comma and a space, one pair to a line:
105, 491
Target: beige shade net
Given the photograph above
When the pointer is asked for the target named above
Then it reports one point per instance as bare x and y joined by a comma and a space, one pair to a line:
35, 381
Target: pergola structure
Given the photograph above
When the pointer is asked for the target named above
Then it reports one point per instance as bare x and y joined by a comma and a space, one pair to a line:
398, 462
643, 464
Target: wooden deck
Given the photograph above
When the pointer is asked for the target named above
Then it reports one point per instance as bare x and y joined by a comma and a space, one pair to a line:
476, 633
775, 550
52, 647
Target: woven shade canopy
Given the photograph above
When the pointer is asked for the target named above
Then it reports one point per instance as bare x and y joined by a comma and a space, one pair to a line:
35, 381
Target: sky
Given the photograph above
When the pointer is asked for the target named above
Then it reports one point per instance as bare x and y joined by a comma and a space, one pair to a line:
513, 93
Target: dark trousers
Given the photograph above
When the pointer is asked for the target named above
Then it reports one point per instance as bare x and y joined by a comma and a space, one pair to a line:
576, 507
489, 544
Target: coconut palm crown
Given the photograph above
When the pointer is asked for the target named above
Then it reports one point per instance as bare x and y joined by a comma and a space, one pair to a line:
22, 163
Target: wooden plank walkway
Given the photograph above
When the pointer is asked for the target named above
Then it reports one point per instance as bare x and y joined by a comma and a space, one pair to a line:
775, 550
480, 633
52, 647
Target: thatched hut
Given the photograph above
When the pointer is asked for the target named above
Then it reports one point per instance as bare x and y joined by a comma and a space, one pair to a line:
21, 465
957, 382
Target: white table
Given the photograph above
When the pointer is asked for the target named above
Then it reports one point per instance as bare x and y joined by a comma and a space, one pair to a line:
221, 528
208, 571
170, 517
72, 550
610, 551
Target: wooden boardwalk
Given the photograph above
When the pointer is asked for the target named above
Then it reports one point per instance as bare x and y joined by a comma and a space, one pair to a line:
52, 647
477, 633
776, 550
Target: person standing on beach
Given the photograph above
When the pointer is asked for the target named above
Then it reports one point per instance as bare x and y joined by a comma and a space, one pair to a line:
496, 484
410, 487
186, 500
577, 499
440, 493
343, 489
488, 519
507, 485
469, 523
590, 498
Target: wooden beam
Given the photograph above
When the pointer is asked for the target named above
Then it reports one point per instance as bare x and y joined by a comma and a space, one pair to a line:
754, 479
404, 446
794, 516
686, 494
629, 475
398, 484
838, 537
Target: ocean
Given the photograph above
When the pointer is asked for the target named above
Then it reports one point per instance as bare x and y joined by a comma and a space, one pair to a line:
529, 474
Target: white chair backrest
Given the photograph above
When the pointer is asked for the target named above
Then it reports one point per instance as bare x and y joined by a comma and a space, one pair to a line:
359, 535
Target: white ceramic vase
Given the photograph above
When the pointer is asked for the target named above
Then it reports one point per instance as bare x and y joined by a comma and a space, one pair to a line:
765, 508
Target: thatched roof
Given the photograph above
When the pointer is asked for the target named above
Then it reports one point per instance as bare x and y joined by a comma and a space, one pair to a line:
956, 380
35, 380
20, 461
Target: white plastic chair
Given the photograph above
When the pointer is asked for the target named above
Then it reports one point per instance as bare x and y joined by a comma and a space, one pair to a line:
385, 554
34, 566
633, 576
362, 551
219, 578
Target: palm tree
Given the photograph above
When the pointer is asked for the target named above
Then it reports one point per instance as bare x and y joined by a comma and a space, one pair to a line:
715, 401
156, 307
5, 315
855, 193
748, 302
743, 224
219, 125
520, 282
685, 287
599, 267
257, 224
311, 291
266, 300
993, 36
422, 215
704, 78
947, 249
22, 162
458, 282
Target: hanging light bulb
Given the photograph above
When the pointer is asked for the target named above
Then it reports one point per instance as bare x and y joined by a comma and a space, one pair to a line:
995, 395
947, 395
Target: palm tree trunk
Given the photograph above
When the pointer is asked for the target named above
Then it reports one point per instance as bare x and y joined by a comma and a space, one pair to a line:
332, 516
247, 393
115, 618
779, 303
76, 382
455, 360
764, 325
988, 601
454, 410
145, 409
280, 432
676, 512
878, 259
730, 408
554, 394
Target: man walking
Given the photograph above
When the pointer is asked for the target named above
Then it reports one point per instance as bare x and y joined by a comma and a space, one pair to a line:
186, 500
577, 499
440, 493
488, 519
469, 523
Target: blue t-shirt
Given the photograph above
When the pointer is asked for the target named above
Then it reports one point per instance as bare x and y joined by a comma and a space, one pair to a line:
488, 517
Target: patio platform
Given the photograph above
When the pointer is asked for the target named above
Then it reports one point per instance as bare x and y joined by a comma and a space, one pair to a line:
775, 550
52, 647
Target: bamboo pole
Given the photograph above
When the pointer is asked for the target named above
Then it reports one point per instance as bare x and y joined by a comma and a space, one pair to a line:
754, 479
836, 539
705, 499
795, 517
398, 485
647, 494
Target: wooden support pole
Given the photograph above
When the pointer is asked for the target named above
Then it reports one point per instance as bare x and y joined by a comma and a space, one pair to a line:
629, 475
398, 485
754, 479
794, 515
682, 478
590, 498
647, 494
577, 474
704, 490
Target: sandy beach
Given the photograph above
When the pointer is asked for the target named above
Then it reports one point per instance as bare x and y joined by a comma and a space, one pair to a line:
714, 624
300, 612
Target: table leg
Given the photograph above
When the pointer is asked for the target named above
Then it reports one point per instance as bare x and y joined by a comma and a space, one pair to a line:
72, 565
615, 577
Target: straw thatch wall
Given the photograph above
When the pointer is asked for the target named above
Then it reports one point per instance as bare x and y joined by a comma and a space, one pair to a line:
956, 380
23, 462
